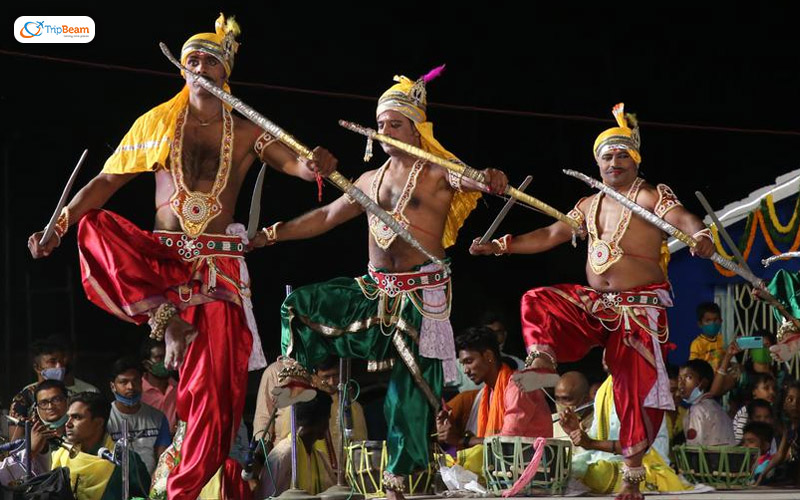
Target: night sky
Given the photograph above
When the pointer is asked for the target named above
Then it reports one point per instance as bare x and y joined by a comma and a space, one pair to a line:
547, 81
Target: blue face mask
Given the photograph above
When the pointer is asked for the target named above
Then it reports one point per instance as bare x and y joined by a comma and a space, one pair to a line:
128, 401
694, 396
54, 373
58, 423
711, 329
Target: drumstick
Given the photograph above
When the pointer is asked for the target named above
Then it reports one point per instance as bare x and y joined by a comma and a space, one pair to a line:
579, 409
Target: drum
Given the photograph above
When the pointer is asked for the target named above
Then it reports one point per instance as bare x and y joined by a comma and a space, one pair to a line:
723, 467
366, 461
505, 458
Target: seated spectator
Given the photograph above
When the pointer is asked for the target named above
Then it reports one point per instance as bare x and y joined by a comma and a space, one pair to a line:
786, 462
46, 433
51, 359
759, 435
759, 410
674, 417
708, 345
148, 429
96, 478
496, 321
159, 388
572, 391
706, 423
600, 466
500, 407
762, 386
314, 472
326, 378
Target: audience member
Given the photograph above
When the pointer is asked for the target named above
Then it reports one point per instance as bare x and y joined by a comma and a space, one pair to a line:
572, 391
51, 360
326, 379
599, 467
708, 345
786, 462
762, 386
759, 435
46, 433
706, 423
500, 407
314, 471
495, 321
148, 429
92, 477
159, 389
675, 417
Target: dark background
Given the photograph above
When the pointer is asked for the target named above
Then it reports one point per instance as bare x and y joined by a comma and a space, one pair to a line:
551, 79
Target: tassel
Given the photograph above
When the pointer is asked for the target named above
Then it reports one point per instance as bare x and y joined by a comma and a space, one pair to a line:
530, 470
433, 74
368, 151
319, 186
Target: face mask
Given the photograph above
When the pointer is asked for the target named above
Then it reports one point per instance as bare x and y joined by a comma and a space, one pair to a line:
54, 373
128, 401
694, 396
761, 355
58, 423
711, 329
159, 370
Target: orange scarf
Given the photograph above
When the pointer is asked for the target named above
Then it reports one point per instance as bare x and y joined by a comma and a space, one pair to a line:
493, 404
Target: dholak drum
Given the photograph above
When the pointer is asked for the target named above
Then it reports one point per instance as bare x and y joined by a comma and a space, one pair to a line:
366, 461
723, 467
505, 458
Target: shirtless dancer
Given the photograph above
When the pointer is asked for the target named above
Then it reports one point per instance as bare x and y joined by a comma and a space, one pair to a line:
623, 308
187, 278
404, 300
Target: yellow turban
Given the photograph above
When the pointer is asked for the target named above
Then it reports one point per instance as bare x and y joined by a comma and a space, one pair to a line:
222, 44
621, 137
147, 144
409, 98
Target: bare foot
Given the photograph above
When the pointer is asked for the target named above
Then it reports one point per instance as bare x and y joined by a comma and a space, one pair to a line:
629, 492
394, 495
177, 338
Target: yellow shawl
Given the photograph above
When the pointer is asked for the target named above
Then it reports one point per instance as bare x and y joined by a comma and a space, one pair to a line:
94, 472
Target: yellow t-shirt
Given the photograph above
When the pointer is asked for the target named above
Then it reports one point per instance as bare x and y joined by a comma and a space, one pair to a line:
708, 349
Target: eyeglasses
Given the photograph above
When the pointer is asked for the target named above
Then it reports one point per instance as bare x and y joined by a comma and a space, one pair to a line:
47, 403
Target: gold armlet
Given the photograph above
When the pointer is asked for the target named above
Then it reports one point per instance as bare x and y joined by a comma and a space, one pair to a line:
271, 233
160, 318
502, 245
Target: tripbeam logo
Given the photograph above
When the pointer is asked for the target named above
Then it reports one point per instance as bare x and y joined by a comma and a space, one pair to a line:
54, 29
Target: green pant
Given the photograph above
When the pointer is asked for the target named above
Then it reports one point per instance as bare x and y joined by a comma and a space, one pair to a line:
336, 317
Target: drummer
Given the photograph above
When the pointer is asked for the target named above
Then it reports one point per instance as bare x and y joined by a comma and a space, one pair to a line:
499, 407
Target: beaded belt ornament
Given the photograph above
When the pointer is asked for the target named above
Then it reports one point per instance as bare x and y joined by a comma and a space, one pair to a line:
190, 249
610, 300
395, 283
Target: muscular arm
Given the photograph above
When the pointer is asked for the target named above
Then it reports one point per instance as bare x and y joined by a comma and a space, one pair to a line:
318, 221
541, 239
684, 220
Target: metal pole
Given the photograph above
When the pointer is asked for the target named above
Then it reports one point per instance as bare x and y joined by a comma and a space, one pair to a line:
125, 462
28, 474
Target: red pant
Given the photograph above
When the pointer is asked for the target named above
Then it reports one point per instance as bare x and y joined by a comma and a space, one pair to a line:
127, 272
566, 321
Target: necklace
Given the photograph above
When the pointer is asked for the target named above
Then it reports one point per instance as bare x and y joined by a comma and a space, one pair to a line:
604, 254
384, 236
207, 122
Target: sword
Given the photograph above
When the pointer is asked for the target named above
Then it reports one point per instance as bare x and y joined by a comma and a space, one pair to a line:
255, 204
51, 226
763, 293
665, 226
722, 231
460, 169
503, 212
334, 177
788, 255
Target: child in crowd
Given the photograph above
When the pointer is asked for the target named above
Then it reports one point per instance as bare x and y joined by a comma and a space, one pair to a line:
708, 345
786, 462
706, 423
762, 386
759, 435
